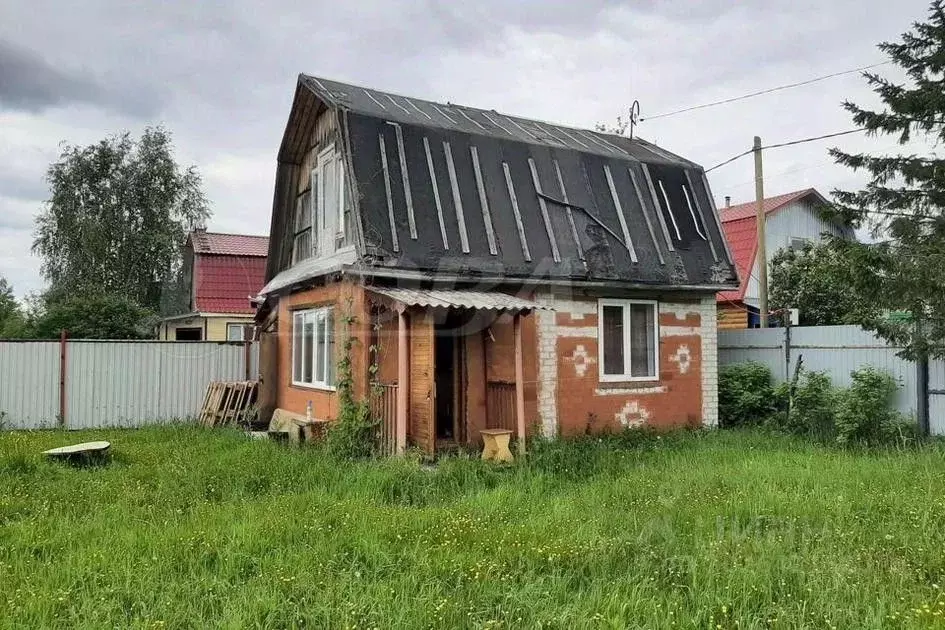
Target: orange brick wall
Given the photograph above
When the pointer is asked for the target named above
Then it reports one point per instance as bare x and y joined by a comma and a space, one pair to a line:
345, 297
571, 395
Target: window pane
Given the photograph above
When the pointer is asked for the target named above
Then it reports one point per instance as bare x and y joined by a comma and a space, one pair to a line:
303, 210
642, 330
297, 353
613, 339
313, 201
302, 247
330, 186
308, 336
320, 349
330, 354
234, 332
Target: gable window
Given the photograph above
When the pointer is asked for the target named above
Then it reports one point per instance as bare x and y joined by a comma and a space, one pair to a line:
302, 244
235, 332
628, 340
313, 348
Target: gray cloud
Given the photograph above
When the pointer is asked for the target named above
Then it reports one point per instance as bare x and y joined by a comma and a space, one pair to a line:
30, 83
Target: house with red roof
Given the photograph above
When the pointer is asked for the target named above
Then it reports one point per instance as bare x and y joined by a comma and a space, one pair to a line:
222, 273
791, 220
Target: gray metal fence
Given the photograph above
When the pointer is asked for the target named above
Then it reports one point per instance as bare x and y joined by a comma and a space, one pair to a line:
82, 384
838, 351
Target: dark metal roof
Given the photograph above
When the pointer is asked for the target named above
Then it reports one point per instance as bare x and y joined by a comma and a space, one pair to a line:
455, 189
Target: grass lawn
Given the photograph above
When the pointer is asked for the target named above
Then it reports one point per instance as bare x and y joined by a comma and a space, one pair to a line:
189, 528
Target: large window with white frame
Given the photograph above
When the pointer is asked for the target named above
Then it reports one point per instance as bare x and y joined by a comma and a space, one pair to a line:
628, 340
322, 219
313, 348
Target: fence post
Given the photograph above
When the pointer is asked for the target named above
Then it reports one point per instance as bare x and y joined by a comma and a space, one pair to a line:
247, 358
787, 348
922, 393
63, 335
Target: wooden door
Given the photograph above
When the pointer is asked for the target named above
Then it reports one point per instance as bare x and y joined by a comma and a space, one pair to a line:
422, 382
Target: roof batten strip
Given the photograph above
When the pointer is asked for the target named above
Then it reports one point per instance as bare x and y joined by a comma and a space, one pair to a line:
692, 213
436, 193
391, 99
698, 209
544, 212
516, 212
715, 217
672, 215
483, 201
496, 123
377, 102
573, 138
457, 201
444, 114
656, 205
414, 105
523, 129
405, 177
390, 199
646, 215
564, 197
599, 142
475, 122
551, 134
623, 219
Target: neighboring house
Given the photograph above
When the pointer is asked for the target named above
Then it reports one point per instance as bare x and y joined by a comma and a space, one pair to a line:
791, 220
223, 272
493, 271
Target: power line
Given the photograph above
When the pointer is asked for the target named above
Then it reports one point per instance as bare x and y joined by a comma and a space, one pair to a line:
786, 144
767, 91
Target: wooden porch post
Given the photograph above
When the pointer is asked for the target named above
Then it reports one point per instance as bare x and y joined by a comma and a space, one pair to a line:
519, 383
403, 380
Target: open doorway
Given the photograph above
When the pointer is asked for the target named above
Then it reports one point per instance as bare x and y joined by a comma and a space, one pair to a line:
448, 349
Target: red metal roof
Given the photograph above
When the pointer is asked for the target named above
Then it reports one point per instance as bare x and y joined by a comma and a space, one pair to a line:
224, 284
739, 225
229, 244
742, 240
744, 210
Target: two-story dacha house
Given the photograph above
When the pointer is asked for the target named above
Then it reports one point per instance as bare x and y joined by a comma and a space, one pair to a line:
493, 271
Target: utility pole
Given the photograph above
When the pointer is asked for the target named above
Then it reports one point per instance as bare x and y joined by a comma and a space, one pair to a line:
761, 256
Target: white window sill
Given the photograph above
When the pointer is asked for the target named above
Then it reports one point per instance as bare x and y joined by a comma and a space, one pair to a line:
314, 387
620, 378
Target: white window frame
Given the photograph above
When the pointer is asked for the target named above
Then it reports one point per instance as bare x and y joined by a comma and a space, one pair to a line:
238, 326
626, 377
299, 317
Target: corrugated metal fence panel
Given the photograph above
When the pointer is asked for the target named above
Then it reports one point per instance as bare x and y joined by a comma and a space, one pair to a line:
836, 350
140, 383
29, 384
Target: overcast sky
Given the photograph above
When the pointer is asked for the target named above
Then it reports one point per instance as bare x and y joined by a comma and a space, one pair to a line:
221, 75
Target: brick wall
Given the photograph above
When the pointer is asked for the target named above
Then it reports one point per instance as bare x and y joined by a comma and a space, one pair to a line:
571, 399
346, 298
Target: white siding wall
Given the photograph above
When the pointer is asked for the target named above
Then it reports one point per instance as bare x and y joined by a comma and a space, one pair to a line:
797, 220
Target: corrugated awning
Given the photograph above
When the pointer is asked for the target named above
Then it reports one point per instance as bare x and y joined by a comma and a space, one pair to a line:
443, 298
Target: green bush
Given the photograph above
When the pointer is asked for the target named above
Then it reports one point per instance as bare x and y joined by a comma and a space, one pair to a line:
865, 414
746, 396
812, 409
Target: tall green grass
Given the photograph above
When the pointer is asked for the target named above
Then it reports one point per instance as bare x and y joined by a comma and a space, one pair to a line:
190, 528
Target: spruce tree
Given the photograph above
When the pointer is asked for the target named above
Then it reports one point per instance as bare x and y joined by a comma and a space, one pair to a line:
904, 202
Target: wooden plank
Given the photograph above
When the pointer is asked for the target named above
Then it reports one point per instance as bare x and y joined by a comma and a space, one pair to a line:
519, 383
403, 382
421, 383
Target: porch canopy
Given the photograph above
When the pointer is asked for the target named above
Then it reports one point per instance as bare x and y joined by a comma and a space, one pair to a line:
454, 298
401, 299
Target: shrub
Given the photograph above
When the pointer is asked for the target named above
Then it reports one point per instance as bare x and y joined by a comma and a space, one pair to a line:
746, 396
864, 411
812, 408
